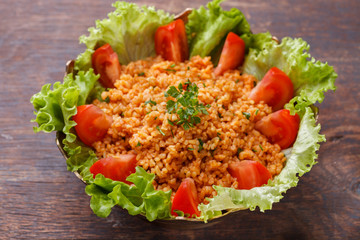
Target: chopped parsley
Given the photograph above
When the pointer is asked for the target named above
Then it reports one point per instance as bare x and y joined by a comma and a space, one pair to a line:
204, 85
254, 150
188, 68
172, 65
261, 147
170, 70
247, 115
257, 111
171, 122
218, 134
141, 74
201, 145
152, 103
138, 144
107, 99
239, 150
161, 132
191, 149
219, 115
237, 80
212, 152
186, 104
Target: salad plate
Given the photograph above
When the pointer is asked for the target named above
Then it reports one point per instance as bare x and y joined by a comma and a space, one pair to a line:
206, 29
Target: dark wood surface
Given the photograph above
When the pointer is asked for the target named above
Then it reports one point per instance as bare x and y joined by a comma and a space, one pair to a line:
40, 199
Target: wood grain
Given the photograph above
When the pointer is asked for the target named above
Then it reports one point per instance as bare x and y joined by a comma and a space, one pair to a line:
39, 199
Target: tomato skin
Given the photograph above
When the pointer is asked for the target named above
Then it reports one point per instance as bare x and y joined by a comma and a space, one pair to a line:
186, 198
92, 123
280, 127
249, 174
106, 63
116, 168
275, 89
171, 41
232, 54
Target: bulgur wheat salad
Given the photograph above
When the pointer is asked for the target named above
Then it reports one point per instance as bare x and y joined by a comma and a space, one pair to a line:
173, 119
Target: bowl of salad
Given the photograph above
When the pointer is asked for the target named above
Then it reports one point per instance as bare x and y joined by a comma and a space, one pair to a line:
186, 118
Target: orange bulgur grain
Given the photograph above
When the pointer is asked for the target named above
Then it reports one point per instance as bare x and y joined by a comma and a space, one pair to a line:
176, 155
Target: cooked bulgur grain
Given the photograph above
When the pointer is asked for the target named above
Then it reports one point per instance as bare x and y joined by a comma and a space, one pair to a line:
227, 134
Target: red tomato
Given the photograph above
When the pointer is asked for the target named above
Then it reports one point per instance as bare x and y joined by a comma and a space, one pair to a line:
232, 54
186, 199
275, 89
106, 63
171, 41
249, 174
116, 168
280, 127
92, 123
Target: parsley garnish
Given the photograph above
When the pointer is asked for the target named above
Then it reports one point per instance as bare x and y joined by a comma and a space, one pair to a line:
141, 74
247, 115
218, 134
138, 144
186, 104
239, 150
204, 85
107, 99
212, 152
170, 70
152, 103
188, 68
201, 143
171, 122
219, 114
261, 147
191, 149
257, 111
158, 128
172, 65
237, 81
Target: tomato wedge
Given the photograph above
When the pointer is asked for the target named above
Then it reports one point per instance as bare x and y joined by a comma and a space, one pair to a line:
92, 123
171, 41
249, 174
275, 89
116, 168
106, 63
186, 199
232, 54
280, 127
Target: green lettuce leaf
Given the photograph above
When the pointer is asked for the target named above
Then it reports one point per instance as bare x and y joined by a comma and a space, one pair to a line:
140, 198
310, 78
207, 29
301, 160
55, 107
129, 30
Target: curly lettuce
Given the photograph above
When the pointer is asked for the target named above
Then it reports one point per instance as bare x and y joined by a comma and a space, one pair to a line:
55, 107
129, 30
208, 28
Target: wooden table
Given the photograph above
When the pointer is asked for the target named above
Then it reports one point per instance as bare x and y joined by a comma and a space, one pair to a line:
40, 199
